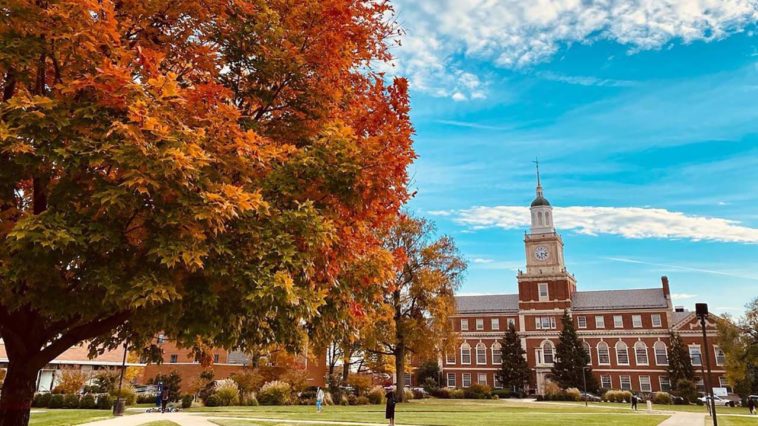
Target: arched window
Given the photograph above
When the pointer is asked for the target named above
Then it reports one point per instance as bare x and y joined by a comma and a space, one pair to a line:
586, 347
640, 353
622, 353
465, 354
497, 354
661, 353
481, 353
547, 218
547, 352
539, 218
603, 354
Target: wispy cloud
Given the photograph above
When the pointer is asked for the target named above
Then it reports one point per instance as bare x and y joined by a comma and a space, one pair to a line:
683, 296
628, 222
684, 268
482, 260
472, 125
586, 80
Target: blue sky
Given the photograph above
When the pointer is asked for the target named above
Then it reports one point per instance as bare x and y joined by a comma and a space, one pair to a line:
644, 116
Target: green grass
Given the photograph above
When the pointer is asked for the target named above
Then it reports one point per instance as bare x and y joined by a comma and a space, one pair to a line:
443, 413
733, 420
687, 408
66, 417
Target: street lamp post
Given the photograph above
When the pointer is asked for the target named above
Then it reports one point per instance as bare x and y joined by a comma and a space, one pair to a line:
701, 310
118, 407
584, 381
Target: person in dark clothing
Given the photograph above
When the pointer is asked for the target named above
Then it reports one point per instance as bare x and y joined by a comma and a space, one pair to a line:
164, 400
751, 405
634, 402
389, 413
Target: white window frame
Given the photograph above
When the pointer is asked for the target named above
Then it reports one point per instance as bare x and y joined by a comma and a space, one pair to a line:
599, 321
451, 380
641, 346
645, 385
658, 346
464, 325
637, 321
480, 324
545, 344
625, 352
600, 355
465, 351
610, 382
450, 358
588, 350
720, 360
656, 320
465, 377
543, 290
665, 383
618, 321
511, 321
495, 323
699, 355
628, 380
544, 323
496, 349
481, 349
498, 384
581, 321
479, 378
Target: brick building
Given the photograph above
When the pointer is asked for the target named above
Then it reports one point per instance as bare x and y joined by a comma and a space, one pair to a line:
626, 332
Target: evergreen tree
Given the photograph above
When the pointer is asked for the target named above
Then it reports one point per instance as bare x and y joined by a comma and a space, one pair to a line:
680, 364
571, 359
514, 371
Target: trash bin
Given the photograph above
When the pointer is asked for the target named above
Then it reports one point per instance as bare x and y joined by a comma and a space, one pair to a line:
118, 407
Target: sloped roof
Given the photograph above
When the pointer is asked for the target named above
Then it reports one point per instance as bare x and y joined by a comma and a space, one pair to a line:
678, 317
487, 303
618, 299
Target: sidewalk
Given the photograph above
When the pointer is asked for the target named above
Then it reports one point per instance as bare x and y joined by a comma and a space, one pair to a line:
182, 419
684, 419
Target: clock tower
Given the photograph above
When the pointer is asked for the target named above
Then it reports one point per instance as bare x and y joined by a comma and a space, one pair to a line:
546, 284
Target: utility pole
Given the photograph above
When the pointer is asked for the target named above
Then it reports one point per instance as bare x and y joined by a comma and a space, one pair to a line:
701, 310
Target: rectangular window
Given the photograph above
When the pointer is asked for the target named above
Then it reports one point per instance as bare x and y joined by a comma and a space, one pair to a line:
626, 383
599, 321
464, 325
479, 324
466, 382
543, 292
544, 323
695, 355
656, 319
451, 380
498, 383
661, 356
637, 321
700, 385
640, 354
481, 378
511, 322
495, 323
481, 354
450, 358
407, 379
603, 355
174, 358
618, 321
581, 321
497, 355
622, 355
465, 355
665, 383
215, 358
605, 382
645, 385
720, 356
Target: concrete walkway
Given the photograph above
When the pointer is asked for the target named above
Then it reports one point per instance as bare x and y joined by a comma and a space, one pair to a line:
182, 419
684, 419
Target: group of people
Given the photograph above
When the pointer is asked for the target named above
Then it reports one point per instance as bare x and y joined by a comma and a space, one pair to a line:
389, 412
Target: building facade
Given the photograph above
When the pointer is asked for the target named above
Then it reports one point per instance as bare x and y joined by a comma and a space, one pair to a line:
626, 332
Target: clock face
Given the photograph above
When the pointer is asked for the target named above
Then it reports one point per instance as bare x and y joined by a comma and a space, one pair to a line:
541, 253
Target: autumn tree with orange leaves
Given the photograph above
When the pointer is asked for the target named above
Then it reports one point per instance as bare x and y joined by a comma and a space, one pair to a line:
202, 167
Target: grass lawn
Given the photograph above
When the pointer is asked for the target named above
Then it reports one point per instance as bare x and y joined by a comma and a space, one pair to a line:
687, 408
56, 417
443, 413
733, 421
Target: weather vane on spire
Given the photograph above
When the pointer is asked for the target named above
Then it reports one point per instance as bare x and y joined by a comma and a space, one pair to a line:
537, 164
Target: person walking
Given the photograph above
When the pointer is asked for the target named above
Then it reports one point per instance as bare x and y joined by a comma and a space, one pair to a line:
319, 399
751, 405
634, 402
164, 400
389, 412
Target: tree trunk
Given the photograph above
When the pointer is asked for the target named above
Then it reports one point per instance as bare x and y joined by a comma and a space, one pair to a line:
400, 373
18, 391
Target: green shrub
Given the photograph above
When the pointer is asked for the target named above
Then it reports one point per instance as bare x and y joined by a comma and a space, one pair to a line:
407, 394
662, 398
376, 395
213, 401
501, 393
618, 396
88, 402
127, 393
227, 392
442, 393
477, 391
418, 394
250, 401
104, 401
146, 398
70, 401
41, 400
352, 399
457, 394
430, 384
275, 393
56, 401
362, 400
573, 394
187, 401
344, 400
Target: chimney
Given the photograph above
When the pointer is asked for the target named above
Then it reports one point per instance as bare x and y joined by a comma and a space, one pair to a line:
679, 309
665, 283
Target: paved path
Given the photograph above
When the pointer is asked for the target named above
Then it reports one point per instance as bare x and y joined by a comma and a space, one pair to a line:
182, 419
684, 419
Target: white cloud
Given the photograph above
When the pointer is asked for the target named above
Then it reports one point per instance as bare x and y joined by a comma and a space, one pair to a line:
585, 80
628, 222
481, 260
683, 296
440, 34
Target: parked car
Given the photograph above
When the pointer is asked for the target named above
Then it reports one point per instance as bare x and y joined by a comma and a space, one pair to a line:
717, 400
587, 396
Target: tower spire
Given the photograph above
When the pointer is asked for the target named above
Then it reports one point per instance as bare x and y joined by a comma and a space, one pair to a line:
539, 183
